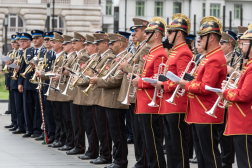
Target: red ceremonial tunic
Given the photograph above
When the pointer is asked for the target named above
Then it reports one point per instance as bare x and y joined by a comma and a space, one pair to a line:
239, 116
211, 71
146, 90
176, 63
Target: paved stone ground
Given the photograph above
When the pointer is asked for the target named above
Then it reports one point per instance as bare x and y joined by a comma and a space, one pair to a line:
17, 152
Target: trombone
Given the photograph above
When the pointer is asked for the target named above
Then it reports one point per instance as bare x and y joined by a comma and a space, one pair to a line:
101, 73
158, 93
129, 94
121, 60
182, 91
218, 103
76, 67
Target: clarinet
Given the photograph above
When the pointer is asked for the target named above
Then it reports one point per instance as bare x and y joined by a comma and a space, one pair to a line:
232, 58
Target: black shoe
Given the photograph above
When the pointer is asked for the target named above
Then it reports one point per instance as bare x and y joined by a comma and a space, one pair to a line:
57, 144
85, 157
9, 126
18, 131
226, 165
13, 129
130, 141
35, 135
27, 135
40, 138
75, 151
51, 140
65, 148
7, 112
113, 165
194, 160
100, 160
54, 142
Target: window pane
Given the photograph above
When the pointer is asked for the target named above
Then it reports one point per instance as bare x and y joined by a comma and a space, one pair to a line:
12, 22
55, 23
20, 22
176, 7
140, 8
61, 23
108, 7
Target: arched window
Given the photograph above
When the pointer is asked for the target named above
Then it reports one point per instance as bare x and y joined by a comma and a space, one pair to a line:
57, 23
15, 23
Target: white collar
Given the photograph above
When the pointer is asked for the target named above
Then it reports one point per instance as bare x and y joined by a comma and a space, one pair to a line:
120, 53
228, 54
102, 55
57, 55
80, 51
38, 48
68, 55
91, 56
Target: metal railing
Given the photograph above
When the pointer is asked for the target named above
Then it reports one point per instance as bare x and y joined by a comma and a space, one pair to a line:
13, 1
15, 29
91, 2
61, 2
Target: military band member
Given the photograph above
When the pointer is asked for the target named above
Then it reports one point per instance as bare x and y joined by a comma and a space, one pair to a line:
100, 116
211, 71
138, 56
32, 111
48, 57
76, 116
180, 56
149, 116
239, 108
228, 43
86, 101
114, 109
8, 73
18, 97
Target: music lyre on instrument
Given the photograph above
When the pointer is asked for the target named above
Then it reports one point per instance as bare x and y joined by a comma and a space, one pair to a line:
218, 103
126, 100
158, 92
182, 91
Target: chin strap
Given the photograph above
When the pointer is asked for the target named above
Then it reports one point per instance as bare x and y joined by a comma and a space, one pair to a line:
175, 37
150, 37
247, 55
208, 35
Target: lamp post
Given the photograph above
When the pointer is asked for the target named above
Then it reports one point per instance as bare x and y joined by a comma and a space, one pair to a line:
5, 38
116, 15
53, 16
48, 16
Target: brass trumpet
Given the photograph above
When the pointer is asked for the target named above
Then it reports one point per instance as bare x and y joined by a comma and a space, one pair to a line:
34, 78
48, 90
218, 103
121, 60
102, 72
14, 76
76, 68
129, 94
159, 93
182, 91
92, 64
5, 69
63, 63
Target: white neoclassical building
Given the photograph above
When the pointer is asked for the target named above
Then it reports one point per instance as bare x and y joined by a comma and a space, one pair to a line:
83, 16
146, 9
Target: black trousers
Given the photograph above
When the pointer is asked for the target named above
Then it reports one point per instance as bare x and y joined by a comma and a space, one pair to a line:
57, 109
13, 108
32, 112
48, 116
128, 127
243, 148
205, 138
103, 133
177, 148
226, 143
66, 114
78, 126
89, 125
151, 124
138, 134
18, 103
190, 140
116, 118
